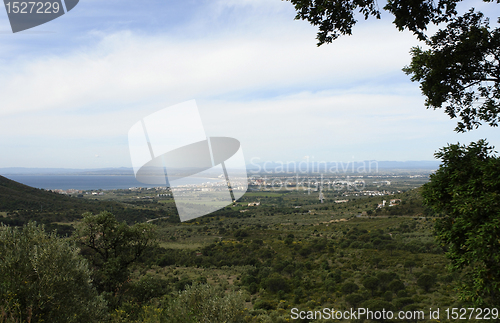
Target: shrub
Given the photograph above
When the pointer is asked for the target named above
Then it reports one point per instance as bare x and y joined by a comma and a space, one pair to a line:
148, 287
205, 303
402, 302
354, 299
349, 288
396, 285
43, 278
426, 281
276, 283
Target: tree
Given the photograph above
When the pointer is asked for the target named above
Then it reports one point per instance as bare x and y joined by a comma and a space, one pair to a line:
385, 278
44, 279
391, 246
205, 303
275, 283
426, 281
349, 288
112, 246
354, 299
461, 71
376, 261
371, 283
466, 189
396, 285
336, 17
409, 264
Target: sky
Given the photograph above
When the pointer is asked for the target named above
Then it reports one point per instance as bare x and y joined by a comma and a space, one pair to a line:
71, 89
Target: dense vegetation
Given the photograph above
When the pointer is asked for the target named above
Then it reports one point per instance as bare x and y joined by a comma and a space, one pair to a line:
465, 190
252, 266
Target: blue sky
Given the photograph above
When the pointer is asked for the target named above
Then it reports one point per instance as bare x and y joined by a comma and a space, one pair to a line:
71, 89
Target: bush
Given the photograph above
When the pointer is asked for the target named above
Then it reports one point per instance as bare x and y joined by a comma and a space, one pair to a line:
276, 283
396, 285
148, 287
205, 303
349, 288
265, 305
240, 234
402, 302
426, 281
354, 299
43, 278
371, 283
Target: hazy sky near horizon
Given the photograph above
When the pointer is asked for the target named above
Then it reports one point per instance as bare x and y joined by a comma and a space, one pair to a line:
72, 88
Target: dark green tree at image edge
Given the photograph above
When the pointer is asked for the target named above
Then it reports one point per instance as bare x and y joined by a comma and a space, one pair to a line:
460, 73
466, 190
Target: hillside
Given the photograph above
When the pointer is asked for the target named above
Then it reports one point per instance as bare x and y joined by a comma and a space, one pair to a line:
20, 204
17, 196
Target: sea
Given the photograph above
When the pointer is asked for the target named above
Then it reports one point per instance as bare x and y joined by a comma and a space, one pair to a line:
94, 182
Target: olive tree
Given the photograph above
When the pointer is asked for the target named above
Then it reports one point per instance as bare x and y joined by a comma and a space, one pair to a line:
44, 279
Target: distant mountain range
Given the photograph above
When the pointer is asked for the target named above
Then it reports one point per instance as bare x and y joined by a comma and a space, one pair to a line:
311, 166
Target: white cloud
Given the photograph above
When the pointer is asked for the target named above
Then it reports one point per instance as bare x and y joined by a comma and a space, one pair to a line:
126, 66
257, 75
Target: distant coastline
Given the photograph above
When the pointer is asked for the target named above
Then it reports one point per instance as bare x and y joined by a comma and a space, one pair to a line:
128, 171
124, 171
90, 182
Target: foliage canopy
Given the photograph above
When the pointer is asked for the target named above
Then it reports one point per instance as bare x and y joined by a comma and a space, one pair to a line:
460, 71
112, 246
466, 189
337, 17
